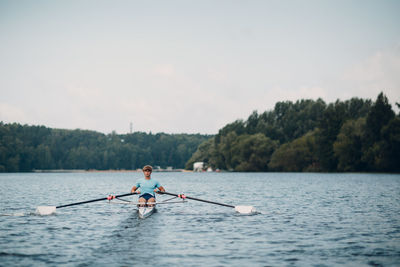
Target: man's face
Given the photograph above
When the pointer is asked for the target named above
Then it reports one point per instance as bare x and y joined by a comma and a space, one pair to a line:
147, 173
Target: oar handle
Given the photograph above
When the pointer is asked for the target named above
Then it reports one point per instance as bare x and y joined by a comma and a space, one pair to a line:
93, 200
197, 199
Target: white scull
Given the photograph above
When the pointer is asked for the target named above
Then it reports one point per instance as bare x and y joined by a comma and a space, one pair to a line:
138, 203
144, 212
149, 208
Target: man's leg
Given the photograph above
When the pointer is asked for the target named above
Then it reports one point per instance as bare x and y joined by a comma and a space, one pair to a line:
151, 202
142, 202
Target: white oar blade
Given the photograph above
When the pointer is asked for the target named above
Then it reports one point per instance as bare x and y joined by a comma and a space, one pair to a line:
45, 210
245, 209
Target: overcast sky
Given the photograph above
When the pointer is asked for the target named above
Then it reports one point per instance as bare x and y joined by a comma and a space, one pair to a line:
189, 66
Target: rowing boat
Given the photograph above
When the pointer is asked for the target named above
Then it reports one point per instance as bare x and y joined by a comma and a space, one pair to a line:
146, 211
149, 209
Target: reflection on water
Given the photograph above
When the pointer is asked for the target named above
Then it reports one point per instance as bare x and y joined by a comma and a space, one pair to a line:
304, 219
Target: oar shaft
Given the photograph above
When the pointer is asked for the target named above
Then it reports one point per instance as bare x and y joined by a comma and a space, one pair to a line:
93, 200
198, 199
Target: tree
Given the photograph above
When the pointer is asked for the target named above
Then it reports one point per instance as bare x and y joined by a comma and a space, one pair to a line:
312, 136
329, 127
251, 123
204, 153
390, 147
296, 156
379, 115
224, 155
252, 152
25, 148
348, 146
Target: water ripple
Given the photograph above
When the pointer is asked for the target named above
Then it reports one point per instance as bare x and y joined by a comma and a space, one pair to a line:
304, 220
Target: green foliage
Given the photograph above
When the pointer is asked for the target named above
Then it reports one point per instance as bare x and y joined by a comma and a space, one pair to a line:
390, 145
348, 146
236, 152
375, 152
334, 116
371, 143
287, 121
26, 148
384, 153
308, 135
378, 116
296, 156
252, 152
204, 153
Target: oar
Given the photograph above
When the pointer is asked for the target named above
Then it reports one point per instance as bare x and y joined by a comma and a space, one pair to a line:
47, 210
240, 209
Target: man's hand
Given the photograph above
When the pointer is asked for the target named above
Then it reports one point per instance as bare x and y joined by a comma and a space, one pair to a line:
134, 189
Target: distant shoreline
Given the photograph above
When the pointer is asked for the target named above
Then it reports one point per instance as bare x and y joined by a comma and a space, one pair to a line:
82, 171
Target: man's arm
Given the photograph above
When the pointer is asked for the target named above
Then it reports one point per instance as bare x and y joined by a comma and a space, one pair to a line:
134, 189
161, 189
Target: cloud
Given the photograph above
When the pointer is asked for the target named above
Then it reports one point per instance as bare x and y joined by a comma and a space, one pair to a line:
302, 92
11, 113
378, 72
165, 70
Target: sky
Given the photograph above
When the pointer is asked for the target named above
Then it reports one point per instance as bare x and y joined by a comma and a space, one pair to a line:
189, 66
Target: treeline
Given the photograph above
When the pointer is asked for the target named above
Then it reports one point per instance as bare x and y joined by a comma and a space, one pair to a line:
27, 148
357, 135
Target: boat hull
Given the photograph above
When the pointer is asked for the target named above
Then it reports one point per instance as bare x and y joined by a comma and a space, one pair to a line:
145, 212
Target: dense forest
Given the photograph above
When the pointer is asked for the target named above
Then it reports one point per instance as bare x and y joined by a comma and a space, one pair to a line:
27, 148
356, 135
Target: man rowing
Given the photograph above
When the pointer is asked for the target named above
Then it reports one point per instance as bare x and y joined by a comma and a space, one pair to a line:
147, 187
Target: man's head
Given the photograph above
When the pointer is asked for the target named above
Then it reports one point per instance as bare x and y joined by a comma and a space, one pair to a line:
147, 168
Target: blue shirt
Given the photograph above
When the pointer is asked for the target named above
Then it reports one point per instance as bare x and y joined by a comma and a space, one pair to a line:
147, 186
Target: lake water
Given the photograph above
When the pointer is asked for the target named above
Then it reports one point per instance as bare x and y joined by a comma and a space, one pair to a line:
305, 220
